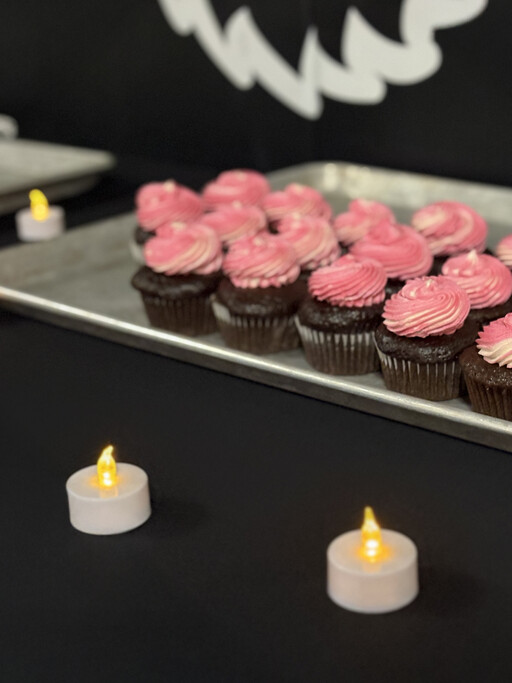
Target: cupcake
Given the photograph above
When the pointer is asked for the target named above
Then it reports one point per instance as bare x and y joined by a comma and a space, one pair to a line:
503, 251
450, 228
239, 185
401, 250
338, 319
362, 215
158, 204
299, 200
487, 368
486, 281
181, 273
256, 303
313, 240
424, 331
233, 221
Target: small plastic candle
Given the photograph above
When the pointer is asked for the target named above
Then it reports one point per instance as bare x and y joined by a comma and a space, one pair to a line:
109, 497
372, 570
40, 221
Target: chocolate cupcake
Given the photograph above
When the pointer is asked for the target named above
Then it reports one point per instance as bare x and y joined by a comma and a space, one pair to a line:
256, 303
403, 253
297, 200
450, 228
181, 273
486, 281
159, 204
313, 240
231, 222
424, 331
362, 215
337, 321
487, 368
242, 186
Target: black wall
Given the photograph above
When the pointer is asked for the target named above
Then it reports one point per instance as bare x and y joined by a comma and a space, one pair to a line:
113, 74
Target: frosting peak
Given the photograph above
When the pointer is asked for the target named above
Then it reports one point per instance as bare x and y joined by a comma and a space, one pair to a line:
494, 342
401, 250
349, 282
362, 215
296, 199
312, 238
160, 203
261, 261
427, 307
486, 280
194, 249
238, 185
450, 228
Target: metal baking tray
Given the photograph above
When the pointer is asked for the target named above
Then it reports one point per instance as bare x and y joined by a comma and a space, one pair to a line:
81, 281
58, 170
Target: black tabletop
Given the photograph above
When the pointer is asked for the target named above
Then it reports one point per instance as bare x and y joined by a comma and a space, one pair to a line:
249, 484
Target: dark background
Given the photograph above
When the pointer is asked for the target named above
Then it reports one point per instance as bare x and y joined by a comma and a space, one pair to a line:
112, 74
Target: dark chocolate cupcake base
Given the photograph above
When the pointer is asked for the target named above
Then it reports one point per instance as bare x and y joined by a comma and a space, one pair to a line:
489, 385
482, 316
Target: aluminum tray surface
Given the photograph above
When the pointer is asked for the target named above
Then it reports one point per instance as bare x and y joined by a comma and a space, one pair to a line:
58, 170
81, 281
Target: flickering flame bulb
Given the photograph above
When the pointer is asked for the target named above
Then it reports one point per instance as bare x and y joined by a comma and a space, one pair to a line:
371, 548
38, 205
106, 468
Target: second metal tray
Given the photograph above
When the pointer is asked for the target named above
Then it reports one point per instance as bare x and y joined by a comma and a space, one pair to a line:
81, 281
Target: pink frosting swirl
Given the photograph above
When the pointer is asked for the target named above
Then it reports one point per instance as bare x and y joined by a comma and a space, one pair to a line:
450, 228
486, 280
195, 249
362, 215
504, 251
350, 282
427, 307
233, 221
494, 342
312, 238
159, 203
296, 199
261, 261
238, 185
402, 251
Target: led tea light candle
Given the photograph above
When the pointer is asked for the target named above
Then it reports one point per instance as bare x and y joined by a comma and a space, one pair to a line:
40, 221
372, 570
107, 498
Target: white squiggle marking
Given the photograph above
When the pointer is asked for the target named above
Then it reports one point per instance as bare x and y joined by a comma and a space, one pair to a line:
370, 60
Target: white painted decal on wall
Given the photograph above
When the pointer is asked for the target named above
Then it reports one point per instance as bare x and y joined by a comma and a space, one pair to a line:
369, 60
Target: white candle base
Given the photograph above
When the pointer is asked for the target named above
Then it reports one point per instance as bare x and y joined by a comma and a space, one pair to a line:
359, 585
30, 230
102, 511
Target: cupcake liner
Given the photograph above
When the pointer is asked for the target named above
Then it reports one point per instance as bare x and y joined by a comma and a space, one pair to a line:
489, 400
337, 353
434, 381
253, 334
191, 316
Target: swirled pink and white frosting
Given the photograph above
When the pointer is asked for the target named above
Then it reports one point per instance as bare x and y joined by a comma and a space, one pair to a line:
451, 228
233, 221
401, 250
362, 215
195, 249
261, 261
238, 185
494, 342
503, 251
160, 203
427, 307
349, 281
312, 238
486, 280
296, 199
